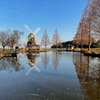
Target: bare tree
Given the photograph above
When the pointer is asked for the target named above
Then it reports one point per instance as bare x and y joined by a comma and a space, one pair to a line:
85, 29
4, 38
96, 21
9, 38
84, 34
45, 39
77, 39
56, 39
14, 38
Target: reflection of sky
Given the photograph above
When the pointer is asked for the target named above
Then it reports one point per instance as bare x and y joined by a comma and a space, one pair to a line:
65, 64
95, 61
60, 83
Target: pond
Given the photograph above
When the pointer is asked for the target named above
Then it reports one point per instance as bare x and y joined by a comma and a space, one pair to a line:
50, 76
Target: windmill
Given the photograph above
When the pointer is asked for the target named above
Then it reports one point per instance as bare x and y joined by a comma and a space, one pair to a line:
32, 39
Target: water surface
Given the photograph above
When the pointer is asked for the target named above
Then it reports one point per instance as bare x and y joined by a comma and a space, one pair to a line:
50, 76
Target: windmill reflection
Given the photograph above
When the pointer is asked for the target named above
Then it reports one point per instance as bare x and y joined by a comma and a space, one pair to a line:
10, 64
55, 59
88, 71
45, 59
32, 62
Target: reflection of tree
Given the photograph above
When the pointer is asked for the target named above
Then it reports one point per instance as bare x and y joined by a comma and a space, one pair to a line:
45, 59
81, 63
88, 71
56, 59
10, 63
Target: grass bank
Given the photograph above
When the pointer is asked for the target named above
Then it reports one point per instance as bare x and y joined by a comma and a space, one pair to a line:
92, 52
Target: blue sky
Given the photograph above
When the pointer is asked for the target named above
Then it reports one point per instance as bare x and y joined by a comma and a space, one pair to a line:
64, 15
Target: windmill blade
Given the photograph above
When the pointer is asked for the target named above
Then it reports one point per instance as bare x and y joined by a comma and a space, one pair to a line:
37, 61
30, 63
34, 34
37, 39
36, 31
28, 28
36, 68
29, 70
29, 37
33, 66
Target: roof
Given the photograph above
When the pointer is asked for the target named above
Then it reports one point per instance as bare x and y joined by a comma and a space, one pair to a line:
30, 34
29, 45
69, 45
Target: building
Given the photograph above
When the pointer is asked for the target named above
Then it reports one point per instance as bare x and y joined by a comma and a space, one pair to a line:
31, 45
70, 47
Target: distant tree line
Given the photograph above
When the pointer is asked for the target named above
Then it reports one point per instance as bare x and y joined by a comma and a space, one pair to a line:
88, 32
56, 42
66, 43
9, 38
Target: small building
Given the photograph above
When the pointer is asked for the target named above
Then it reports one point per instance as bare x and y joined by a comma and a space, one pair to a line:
70, 47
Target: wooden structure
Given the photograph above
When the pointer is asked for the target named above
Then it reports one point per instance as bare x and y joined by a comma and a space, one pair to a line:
31, 44
8, 54
70, 47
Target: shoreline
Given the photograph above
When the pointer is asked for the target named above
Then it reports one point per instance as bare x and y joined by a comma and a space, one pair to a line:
94, 52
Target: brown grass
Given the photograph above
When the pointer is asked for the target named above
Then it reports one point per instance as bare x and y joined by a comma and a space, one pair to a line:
92, 50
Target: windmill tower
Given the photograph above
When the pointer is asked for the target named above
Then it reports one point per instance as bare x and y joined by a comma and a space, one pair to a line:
32, 39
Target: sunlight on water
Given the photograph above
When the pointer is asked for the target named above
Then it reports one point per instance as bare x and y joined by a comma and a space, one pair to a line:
50, 76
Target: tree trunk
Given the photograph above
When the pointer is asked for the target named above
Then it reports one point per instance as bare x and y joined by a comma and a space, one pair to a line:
45, 47
3, 48
89, 46
12, 46
81, 46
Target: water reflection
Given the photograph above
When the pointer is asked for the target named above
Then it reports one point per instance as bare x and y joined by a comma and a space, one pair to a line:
55, 59
45, 56
55, 56
10, 64
88, 71
32, 61
77, 77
